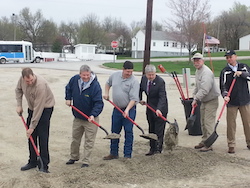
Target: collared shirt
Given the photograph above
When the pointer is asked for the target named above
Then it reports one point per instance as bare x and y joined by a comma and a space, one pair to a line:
234, 68
124, 90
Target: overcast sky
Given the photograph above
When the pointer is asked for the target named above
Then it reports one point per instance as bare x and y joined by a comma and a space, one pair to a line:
126, 10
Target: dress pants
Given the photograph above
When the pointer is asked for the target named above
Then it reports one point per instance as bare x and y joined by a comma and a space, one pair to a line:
41, 132
156, 126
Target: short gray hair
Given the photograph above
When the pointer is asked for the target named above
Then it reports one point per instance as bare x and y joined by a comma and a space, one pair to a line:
85, 68
150, 68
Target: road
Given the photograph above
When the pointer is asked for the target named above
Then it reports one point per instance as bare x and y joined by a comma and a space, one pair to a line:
94, 65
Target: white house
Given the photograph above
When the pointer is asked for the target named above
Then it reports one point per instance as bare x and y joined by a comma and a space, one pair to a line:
244, 43
161, 45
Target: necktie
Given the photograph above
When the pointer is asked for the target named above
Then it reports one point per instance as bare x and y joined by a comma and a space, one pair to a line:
149, 85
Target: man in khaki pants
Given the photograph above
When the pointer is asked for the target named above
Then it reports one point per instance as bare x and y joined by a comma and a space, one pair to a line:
207, 92
86, 93
239, 99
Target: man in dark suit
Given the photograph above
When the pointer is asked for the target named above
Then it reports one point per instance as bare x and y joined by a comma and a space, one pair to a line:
154, 88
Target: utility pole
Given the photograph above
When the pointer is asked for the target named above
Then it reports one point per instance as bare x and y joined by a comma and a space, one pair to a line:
14, 24
146, 59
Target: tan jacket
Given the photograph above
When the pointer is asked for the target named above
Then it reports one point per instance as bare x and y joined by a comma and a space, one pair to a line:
205, 86
38, 96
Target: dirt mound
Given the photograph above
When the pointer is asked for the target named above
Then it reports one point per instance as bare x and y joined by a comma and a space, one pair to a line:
182, 163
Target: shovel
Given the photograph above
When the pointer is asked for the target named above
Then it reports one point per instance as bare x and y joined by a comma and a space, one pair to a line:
175, 124
212, 138
191, 119
174, 76
146, 136
109, 136
34, 146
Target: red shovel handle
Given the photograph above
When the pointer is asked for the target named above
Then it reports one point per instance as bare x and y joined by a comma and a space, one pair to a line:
193, 109
87, 117
33, 144
84, 115
122, 112
153, 110
162, 69
228, 95
31, 138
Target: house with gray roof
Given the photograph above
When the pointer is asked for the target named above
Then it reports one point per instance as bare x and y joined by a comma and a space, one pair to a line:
162, 45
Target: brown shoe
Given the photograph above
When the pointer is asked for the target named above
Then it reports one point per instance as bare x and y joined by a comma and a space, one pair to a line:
110, 157
231, 150
199, 146
205, 149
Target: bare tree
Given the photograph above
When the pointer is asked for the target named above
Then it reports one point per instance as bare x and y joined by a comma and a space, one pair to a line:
234, 24
69, 31
90, 30
6, 29
47, 32
141, 25
186, 23
30, 24
117, 30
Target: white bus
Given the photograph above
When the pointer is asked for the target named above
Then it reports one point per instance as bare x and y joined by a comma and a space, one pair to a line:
18, 51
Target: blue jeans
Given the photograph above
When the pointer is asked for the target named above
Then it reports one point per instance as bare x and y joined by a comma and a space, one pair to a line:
118, 121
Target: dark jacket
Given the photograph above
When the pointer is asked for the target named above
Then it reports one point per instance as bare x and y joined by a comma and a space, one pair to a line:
240, 93
157, 97
89, 100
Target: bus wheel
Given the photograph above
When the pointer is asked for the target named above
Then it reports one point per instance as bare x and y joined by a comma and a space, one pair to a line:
37, 60
2, 61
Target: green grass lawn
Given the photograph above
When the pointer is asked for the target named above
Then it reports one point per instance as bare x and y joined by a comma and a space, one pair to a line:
177, 66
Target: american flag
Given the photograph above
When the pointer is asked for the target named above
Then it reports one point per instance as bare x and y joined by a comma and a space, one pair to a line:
211, 40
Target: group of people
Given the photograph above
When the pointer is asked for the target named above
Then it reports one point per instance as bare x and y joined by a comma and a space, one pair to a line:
84, 92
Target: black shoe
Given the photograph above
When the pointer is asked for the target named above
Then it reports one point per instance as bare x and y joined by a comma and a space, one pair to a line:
248, 147
44, 170
84, 165
150, 153
28, 166
71, 161
158, 152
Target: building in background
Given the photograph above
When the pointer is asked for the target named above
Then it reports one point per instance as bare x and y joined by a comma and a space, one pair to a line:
162, 45
244, 43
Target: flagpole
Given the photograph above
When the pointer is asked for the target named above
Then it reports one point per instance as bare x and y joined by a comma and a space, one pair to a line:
209, 54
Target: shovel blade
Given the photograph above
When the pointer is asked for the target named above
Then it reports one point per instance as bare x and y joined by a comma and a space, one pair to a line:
211, 139
190, 122
176, 126
149, 136
112, 136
